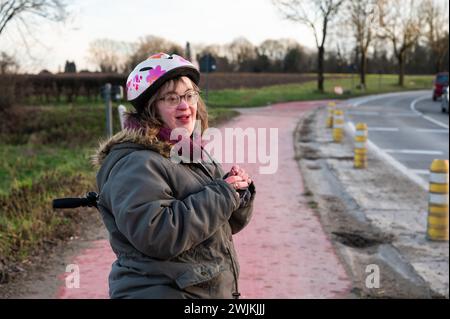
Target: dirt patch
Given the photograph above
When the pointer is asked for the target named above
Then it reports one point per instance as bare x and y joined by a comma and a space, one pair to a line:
307, 193
355, 240
305, 132
308, 153
346, 227
341, 158
313, 204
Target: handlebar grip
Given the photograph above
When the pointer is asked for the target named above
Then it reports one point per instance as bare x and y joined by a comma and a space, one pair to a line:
69, 202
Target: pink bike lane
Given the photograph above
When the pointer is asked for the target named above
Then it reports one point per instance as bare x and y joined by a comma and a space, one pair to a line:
283, 252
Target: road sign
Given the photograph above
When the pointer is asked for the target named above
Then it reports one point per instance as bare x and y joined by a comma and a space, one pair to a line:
207, 63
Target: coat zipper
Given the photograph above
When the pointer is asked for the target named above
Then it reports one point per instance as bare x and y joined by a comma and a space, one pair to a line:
236, 293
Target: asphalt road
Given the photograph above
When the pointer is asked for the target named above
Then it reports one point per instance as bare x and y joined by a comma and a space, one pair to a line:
410, 127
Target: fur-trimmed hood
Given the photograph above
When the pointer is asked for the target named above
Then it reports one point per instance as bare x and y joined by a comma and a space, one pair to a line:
137, 137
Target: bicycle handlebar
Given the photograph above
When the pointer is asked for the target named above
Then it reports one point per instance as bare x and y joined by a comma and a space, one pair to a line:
89, 200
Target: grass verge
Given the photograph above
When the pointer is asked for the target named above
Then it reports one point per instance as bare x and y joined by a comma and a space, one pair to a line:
308, 91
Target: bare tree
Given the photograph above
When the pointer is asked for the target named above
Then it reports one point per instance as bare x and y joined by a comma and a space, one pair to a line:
317, 15
11, 10
214, 49
273, 49
150, 45
8, 64
109, 55
401, 23
276, 51
437, 27
364, 20
242, 51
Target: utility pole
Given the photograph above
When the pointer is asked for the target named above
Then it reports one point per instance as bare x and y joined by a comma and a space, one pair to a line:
106, 93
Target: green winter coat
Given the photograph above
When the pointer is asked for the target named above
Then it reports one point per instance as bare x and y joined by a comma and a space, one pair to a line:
170, 224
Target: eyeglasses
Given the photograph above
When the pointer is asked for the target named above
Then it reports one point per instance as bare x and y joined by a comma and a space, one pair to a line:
173, 99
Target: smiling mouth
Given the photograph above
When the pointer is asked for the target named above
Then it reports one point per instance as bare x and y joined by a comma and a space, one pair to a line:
183, 117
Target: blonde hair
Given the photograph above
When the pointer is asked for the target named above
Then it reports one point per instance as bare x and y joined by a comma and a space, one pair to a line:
150, 120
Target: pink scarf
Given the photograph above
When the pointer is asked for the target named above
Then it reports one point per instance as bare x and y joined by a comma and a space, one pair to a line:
164, 135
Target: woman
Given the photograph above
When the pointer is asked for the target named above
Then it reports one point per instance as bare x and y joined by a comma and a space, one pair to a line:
170, 222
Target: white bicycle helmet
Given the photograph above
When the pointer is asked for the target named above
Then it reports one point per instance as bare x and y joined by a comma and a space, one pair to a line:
149, 75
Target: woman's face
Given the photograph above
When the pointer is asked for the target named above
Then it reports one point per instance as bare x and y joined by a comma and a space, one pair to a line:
181, 115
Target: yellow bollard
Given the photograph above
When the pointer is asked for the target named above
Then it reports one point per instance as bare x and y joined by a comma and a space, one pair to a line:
438, 202
331, 107
338, 126
361, 146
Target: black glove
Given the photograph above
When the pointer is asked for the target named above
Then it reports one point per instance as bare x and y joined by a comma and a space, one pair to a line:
245, 194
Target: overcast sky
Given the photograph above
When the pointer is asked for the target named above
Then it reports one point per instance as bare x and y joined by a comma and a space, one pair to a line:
196, 21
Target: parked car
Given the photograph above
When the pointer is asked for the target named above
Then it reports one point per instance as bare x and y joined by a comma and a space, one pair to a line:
444, 103
440, 82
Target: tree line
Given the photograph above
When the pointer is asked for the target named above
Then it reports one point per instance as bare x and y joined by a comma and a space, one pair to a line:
376, 36
400, 26
351, 36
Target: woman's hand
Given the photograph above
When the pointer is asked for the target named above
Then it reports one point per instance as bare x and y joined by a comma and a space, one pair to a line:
237, 171
240, 181
238, 178
237, 182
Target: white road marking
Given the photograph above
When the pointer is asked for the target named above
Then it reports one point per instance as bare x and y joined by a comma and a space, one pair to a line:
403, 114
384, 129
379, 96
431, 131
416, 152
362, 113
413, 108
370, 113
396, 129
